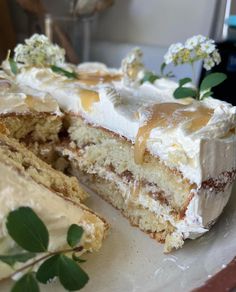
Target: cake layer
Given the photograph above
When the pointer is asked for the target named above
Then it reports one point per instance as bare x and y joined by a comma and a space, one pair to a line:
40, 127
25, 162
101, 151
156, 226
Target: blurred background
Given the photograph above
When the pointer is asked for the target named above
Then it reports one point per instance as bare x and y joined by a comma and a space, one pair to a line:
105, 30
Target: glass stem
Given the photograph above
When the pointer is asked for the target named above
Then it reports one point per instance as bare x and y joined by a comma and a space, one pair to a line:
194, 75
194, 80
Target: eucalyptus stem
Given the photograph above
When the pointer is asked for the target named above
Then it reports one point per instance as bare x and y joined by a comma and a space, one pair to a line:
49, 254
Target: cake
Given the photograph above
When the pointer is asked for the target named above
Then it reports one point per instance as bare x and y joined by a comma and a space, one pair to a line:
168, 164
55, 198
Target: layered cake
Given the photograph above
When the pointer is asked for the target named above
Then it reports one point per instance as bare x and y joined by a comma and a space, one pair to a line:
168, 164
54, 197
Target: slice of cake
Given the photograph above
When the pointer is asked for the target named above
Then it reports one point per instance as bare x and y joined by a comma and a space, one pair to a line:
28, 114
26, 162
53, 196
168, 164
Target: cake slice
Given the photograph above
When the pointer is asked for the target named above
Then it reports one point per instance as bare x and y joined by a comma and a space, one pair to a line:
168, 164
29, 115
25, 162
53, 196
162, 162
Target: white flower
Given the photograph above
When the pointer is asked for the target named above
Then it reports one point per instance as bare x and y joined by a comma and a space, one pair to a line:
200, 38
208, 63
191, 43
208, 47
195, 49
175, 48
38, 50
172, 52
216, 57
168, 58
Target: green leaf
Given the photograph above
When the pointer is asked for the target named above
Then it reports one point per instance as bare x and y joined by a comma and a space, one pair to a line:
163, 65
74, 234
68, 74
212, 80
27, 283
170, 74
17, 258
13, 66
77, 258
48, 270
183, 92
71, 276
184, 81
149, 77
27, 229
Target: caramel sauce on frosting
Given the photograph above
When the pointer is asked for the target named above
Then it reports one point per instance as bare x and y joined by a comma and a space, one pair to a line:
170, 115
88, 98
97, 78
41, 105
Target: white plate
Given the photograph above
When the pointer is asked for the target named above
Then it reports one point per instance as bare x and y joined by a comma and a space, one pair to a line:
130, 261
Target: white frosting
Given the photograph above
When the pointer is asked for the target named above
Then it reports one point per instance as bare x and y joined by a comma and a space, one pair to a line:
122, 110
15, 99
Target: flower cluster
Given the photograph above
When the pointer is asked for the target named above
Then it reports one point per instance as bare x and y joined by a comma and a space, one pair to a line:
195, 49
38, 50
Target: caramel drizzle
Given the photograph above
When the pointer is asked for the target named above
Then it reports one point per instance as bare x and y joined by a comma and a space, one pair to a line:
166, 115
100, 77
88, 98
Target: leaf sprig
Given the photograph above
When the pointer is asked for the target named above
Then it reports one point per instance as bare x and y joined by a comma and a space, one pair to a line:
32, 236
59, 70
13, 66
210, 81
152, 77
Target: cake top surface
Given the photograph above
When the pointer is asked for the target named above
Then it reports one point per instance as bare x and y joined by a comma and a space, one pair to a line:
15, 100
